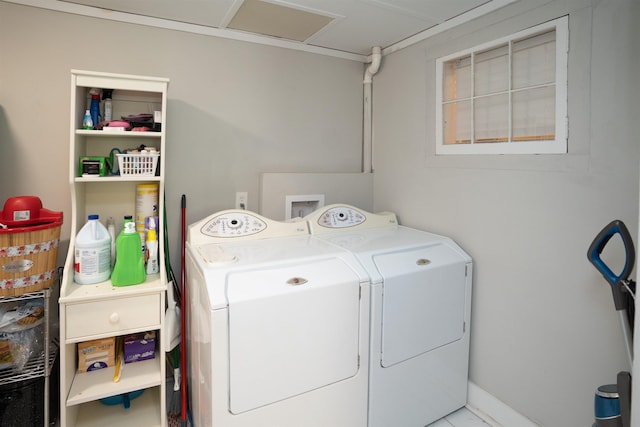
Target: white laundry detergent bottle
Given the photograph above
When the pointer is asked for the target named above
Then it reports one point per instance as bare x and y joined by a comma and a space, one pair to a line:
92, 253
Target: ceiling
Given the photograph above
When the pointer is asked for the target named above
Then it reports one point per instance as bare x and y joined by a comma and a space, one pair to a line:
341, 27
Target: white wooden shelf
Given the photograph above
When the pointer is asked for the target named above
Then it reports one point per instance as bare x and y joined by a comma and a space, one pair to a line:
95, 385
77, 293
122, 178
141, 413
101, 310
119, 134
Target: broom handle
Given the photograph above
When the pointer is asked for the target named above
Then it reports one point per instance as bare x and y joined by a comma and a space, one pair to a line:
627, 334
183, 314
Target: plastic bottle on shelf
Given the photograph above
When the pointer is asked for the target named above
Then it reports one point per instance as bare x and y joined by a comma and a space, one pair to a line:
152, 248
129, 267
108, 108
87, 122
146, 206
92, 263
94, 107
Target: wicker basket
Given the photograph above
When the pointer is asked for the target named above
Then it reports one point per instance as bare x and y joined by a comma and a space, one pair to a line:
28, 247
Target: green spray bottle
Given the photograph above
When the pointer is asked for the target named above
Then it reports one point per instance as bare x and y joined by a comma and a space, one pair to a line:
129, 267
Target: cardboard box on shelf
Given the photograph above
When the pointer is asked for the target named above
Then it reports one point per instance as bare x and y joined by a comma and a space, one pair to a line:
139, 347
96, 354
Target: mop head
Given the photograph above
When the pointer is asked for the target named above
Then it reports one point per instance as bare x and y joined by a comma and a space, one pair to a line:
172, 321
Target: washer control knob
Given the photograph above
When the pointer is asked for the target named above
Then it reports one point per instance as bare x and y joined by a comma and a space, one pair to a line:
235, 223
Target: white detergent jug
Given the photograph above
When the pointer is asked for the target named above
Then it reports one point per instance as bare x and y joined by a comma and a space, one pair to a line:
92, 253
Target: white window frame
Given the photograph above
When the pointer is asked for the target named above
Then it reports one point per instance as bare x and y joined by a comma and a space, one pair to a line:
555, 146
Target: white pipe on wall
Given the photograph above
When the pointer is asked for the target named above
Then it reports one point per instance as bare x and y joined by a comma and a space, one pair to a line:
367, 140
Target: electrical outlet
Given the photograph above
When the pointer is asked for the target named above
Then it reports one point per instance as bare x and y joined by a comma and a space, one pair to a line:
241, 199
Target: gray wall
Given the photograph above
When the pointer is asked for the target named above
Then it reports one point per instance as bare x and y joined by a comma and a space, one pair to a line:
544, 332
235, 109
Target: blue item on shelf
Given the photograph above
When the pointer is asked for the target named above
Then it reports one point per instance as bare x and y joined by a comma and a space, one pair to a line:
123, 399
94, 109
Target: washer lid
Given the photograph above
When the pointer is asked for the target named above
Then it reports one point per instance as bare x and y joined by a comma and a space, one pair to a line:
260, 254
214, 255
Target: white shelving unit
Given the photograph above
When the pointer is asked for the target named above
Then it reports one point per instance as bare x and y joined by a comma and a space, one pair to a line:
89, 312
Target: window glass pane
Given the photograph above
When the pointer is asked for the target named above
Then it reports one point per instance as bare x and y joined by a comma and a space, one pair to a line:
534, 113
492, 71
457, 79
491, 118
493, 96
457, 122
534, 60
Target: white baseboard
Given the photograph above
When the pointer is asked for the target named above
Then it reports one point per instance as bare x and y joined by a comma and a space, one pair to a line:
493, 411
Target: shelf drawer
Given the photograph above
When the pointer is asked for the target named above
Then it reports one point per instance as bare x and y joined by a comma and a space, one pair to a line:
112, 316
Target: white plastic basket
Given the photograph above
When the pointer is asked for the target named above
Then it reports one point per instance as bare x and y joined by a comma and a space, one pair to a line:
142, 164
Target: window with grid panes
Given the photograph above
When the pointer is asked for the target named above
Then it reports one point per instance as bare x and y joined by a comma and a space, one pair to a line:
508, 96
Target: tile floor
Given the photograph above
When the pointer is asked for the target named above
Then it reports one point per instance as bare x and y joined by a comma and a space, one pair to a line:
462, 418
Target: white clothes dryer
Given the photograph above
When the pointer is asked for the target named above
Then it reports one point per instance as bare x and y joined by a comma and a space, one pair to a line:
277, 325
420, 314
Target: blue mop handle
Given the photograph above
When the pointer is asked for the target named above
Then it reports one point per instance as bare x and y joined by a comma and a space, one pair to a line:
598, 244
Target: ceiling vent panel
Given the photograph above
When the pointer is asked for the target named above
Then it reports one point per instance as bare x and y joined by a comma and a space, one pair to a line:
272, 19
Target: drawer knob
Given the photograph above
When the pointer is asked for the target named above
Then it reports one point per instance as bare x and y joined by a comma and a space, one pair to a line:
114, 318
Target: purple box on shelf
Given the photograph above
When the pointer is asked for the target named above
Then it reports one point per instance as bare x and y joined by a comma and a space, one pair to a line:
139, 347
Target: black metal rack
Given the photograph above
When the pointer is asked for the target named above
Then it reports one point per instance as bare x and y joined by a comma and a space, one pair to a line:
42, 364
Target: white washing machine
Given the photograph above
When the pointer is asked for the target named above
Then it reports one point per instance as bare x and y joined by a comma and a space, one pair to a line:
277, 325
420, 314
